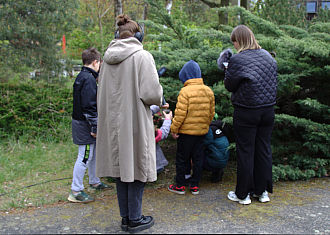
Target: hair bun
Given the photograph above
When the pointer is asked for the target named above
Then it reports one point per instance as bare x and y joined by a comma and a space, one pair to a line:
122, 19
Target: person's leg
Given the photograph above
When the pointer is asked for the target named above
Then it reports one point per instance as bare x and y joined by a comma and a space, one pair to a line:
263, 153
77, 186
137, 221
182, 158
187, 173
122, 196
245, 122
80, 168
91, 164
135, 194
197, 159
216, 175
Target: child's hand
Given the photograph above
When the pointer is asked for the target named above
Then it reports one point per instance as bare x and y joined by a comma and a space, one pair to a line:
165, 106
93, 134
168, 115
175, 135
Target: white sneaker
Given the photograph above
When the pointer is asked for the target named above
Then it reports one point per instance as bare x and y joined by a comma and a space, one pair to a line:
263, 197
232, 196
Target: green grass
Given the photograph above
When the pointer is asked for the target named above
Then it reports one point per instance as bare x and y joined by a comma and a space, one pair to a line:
42, 163
22, 165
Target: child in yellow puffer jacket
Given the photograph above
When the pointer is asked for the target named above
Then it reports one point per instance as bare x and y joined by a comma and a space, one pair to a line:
193, 114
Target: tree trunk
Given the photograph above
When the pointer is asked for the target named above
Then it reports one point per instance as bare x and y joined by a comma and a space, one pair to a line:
169, 4
145, 11
118, 7
102, 10
223, 16
245, 4
101, 33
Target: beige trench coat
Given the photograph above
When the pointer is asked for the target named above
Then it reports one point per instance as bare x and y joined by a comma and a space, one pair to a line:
128, 86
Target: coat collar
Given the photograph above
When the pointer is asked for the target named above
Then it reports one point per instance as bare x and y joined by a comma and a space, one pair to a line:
194, 81
92, 71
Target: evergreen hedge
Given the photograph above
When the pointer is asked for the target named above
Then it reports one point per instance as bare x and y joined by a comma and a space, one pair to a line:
301, 132
35, 110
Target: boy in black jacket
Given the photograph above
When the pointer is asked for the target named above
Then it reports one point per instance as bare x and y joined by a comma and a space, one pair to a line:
84, 126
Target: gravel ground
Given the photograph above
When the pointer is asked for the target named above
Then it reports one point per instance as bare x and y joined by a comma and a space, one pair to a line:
296, 208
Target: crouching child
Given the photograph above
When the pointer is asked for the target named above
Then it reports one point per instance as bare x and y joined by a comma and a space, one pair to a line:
216, 152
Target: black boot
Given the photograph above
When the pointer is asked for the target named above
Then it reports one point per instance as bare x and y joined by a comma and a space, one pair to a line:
216, 176
124, 223
145, 222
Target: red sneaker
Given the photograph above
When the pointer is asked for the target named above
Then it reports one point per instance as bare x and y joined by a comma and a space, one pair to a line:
175, 189
194, 190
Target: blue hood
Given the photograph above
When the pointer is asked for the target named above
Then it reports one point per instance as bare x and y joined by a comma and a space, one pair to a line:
190, 70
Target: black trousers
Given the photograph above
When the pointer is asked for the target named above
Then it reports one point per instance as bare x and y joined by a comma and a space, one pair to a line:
130, 198
253, 130
189, 147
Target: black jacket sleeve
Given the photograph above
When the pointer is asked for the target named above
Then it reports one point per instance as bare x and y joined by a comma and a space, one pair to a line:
88, 102
234, 74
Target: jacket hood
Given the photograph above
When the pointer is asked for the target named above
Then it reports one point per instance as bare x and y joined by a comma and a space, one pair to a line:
190, 70
120, 49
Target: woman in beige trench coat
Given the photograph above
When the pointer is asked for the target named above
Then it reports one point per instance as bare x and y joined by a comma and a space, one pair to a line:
125, 145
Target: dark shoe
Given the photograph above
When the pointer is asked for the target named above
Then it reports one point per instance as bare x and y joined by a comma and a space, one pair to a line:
124, 223
176, 189
100, 186
145, 222
216, 176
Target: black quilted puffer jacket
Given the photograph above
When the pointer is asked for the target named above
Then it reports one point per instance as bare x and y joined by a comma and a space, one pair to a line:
252, 78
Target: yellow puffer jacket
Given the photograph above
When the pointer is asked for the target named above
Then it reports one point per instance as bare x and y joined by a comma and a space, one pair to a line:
195, 108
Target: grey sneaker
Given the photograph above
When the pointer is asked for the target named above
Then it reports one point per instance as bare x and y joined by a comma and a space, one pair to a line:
81, 197
232, 196
263, 197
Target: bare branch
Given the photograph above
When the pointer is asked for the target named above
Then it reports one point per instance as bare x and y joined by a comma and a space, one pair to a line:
212, 3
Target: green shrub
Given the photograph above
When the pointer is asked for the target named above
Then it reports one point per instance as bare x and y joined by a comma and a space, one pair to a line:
35, 109
300, 136
294, 32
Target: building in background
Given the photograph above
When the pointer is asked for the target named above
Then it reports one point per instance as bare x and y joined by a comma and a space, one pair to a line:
313, 6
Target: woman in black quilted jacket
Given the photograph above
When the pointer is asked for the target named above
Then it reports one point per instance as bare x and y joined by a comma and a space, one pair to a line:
251, 76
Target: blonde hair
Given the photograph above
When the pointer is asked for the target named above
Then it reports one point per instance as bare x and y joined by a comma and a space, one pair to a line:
244, 37
127, 27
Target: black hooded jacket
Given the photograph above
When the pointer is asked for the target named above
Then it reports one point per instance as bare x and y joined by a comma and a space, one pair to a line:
252, 78
84, 115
